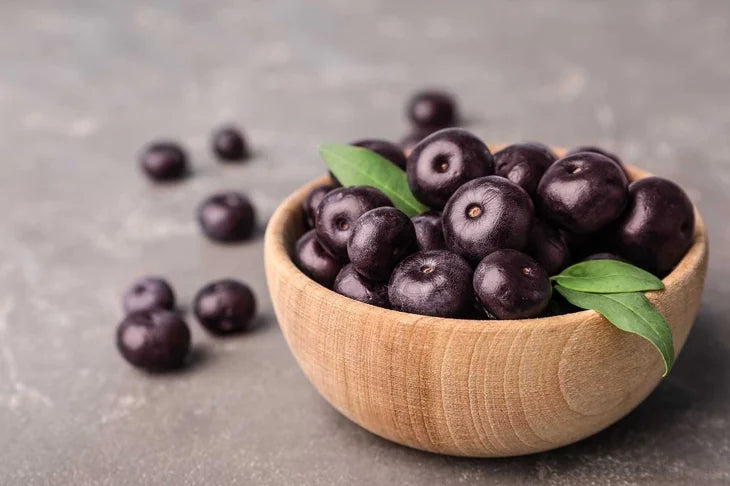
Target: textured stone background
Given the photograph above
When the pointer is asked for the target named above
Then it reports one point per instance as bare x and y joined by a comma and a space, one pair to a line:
83, 84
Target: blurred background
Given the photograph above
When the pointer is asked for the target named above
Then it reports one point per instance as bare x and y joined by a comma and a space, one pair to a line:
85, 84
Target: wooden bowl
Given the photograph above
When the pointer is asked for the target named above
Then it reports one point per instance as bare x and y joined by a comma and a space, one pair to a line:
464, 387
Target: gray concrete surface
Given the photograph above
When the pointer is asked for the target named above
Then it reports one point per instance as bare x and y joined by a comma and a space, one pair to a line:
83, 84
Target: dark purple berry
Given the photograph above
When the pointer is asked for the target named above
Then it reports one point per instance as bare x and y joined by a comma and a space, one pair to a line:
485, 215
312, 259
353, 285
547, 245
225, 306
524, 164
148, 293
657, 228
511, 285
154, 340
164, 161
387, 150
311, 203
380, 239
443, 162
429, 232
229, 145
227, 216
432, 109
338, 212
432, 283
596, 150
583, 192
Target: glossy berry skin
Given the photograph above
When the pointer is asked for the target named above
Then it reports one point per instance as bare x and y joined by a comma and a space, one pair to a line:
432, 109
485, 215
583, 192
387, 150
548, 246
227, 217
164, 161
429, 232
154, 340
229, 145
657, 228
380, 239
148, 293
225, 306
353, 285
524, 164
443, 162
338, 212
511, 285
311, 203
596, 150
432, 283
312, 259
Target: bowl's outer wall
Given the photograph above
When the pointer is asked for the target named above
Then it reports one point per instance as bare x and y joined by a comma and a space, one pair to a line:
470, 388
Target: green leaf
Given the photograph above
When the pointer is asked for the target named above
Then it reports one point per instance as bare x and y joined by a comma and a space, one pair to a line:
357, 166
631, 312
607, 277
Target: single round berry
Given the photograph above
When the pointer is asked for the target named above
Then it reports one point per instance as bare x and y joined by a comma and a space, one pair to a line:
485, 215
229, 145
432, 283
156, 340
353, 285
658, 226
312, 259
148, 293
548, 246
596, 150
432, 109
227, 216
380, 239
604, 256
524, 164
583, 192
338, 212
164, 161
387, 150
511, 285
429, 232
443, 162
225, 306
311, 203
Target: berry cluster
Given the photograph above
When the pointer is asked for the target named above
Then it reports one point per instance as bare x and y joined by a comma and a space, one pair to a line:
155, 337
499, 225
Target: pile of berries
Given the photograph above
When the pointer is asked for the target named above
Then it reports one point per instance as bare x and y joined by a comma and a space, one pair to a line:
156, 337
152, 334
226, 216
499, 226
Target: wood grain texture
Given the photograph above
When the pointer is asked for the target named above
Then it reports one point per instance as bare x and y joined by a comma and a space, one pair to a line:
464, 387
